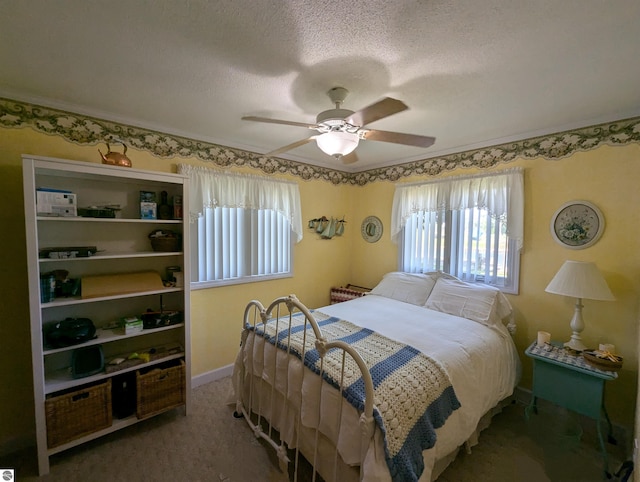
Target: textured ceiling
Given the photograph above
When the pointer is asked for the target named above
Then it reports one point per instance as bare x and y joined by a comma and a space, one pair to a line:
474, 73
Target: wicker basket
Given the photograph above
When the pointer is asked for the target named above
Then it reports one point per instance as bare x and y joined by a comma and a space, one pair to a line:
160, 390
72, 415
165, 244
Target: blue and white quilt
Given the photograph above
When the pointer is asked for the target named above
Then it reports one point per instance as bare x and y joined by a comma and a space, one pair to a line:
413, 395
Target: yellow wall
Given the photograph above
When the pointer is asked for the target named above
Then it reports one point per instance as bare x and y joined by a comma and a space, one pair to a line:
606, 176
216, 313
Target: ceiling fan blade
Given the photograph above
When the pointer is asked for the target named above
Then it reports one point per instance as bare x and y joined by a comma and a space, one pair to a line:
382, 108
290, 146
278, 121
398, 138
350, 158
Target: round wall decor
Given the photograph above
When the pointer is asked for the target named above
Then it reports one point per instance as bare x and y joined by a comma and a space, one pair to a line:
371, 229
577, 224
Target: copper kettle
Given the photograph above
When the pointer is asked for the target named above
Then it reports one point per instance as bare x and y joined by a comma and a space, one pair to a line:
115, 158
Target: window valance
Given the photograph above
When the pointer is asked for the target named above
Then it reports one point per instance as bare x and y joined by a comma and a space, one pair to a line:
209, 188
500, 193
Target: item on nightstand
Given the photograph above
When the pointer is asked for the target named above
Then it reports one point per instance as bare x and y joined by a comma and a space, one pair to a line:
603, 360
543, 337
579, 280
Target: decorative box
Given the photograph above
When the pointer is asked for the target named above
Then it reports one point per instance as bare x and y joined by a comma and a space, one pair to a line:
338, 295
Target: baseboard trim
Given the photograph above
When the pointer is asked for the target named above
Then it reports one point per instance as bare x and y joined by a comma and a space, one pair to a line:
211, 376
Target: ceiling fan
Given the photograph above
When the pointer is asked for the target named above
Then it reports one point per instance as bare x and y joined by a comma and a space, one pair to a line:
340, 130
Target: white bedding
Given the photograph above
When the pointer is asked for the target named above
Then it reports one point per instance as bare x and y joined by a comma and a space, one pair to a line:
481, 361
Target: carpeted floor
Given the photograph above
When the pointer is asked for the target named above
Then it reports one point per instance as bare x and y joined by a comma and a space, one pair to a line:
211, 445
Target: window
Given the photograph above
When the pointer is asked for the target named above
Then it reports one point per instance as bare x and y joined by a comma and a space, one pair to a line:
470, 227
242, 227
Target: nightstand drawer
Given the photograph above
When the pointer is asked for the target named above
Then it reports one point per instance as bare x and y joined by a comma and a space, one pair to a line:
570, 389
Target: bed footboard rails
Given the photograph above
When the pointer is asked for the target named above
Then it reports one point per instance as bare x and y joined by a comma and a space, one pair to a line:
265, 394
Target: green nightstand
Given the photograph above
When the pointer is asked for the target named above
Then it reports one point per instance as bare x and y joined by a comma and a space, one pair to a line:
568, 381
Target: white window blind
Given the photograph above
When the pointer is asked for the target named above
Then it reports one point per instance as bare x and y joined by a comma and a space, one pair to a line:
243, 227
470, 227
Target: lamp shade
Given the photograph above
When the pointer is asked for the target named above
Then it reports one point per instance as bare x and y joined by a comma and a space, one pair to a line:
580, 279
337, 143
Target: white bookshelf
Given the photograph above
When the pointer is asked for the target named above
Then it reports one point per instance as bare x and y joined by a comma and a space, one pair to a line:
123, 247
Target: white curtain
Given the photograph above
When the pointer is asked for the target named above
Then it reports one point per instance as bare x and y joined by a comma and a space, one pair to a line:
209, 188
500, 193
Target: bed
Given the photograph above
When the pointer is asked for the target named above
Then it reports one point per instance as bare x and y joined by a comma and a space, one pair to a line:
386, 387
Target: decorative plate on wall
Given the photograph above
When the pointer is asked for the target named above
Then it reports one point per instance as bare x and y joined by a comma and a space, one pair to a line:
371, 229
577, 224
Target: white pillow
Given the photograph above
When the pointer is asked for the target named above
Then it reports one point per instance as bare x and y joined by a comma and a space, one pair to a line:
481, 303
411, 288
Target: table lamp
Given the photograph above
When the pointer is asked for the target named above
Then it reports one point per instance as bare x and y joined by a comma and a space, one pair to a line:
579, 279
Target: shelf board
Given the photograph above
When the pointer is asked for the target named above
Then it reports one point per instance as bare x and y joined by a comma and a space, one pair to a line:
107, 336
106, 255
115, 426
78, 301
62, 380
80, 219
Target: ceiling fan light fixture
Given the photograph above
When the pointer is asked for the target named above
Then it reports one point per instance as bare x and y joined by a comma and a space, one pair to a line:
337, 143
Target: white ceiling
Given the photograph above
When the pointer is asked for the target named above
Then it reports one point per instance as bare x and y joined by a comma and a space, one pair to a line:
473, 73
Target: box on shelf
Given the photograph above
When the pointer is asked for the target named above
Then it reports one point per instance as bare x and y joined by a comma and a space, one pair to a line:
131, 325
148, 211
160, 389
148, 205
55, 203
81, 412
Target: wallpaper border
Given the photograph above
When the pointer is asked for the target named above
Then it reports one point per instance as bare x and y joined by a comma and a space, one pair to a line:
81, 129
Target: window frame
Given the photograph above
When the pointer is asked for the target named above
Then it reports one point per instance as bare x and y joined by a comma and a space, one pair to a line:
439, 223
274, 209
250, 263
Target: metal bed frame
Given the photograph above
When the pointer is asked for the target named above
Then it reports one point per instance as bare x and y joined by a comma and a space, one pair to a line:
253, 409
